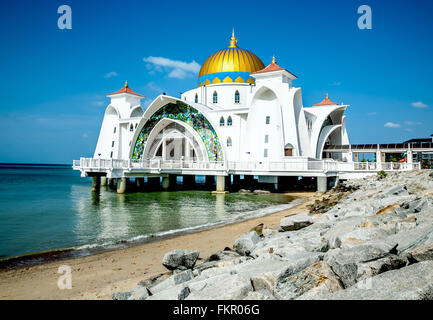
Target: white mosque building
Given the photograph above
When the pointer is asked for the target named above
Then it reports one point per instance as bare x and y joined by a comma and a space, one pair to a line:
240, 111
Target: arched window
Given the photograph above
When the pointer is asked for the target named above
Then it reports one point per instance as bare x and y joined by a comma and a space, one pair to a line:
288, 150
215, 97
196, 98
222, 122
229, 121
131, 127
229, 142
237, 97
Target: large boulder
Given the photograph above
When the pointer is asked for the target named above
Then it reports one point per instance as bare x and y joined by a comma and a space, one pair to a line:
317, 278
139, 293
246, 243
222, 287
414, 282
346, 263
296, 222
174, 280
299, 262
180, 259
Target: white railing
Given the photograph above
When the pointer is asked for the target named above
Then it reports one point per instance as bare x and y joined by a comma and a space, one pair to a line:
302, 165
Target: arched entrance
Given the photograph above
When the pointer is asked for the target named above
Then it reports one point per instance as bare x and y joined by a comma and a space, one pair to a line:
174, 140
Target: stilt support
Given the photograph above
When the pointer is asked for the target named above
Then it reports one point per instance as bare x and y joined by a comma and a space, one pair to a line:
121, 185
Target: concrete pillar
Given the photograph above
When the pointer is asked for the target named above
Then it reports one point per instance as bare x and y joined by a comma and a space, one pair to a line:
121, 185
165, 183
96, 183
322, 184
220, 184
103, 181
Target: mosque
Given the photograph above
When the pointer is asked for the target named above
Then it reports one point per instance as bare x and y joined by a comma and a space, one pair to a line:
240, 112
243, 121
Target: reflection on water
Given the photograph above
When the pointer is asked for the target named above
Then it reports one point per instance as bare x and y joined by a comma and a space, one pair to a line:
113, 216
50, 208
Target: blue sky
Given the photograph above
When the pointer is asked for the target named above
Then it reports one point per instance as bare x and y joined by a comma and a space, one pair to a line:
53, 82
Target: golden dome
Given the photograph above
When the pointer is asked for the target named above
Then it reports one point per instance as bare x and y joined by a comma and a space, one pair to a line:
232, 59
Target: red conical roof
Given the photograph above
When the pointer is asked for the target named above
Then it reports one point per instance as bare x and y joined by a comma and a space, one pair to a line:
325, 102
126, 89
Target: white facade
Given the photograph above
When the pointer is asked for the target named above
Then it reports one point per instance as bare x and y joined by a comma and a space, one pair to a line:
263, 121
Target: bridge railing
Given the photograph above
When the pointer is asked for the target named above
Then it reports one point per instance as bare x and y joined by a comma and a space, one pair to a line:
301, 165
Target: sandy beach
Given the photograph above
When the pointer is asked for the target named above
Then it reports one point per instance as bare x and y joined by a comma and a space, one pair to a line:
99, 275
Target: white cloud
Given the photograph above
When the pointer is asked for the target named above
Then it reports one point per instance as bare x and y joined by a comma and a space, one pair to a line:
408, 130
175, 68
392, 125
336, 84
372, 113
419, 104
110, 75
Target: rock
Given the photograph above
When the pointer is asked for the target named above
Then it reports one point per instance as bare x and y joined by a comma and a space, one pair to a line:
340, 229
389, 209
180, 259
184, 293
246, 243
414, 282
423, 252
121, 295
299, 262
261, 192
171, 293
346, 262
258, 229
139, 293
373, 268
318, 278
296, 222
224, 255
223, 287
174, 280
259, 295
244, 191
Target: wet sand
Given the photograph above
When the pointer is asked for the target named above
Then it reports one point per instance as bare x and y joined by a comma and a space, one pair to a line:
98, 276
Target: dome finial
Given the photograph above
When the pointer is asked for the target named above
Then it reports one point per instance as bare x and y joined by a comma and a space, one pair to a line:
327, 97
274, 61
126, 84
233, 40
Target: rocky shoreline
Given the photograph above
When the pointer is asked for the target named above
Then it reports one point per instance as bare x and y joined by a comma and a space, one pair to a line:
368, 239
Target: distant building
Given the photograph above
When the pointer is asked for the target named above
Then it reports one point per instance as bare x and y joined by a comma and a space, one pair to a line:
422, 156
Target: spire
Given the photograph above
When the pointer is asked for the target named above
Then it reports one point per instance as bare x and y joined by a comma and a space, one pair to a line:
274, 61
126, 84
233, 40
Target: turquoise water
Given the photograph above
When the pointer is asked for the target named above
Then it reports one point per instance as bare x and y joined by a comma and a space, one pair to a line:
49, 208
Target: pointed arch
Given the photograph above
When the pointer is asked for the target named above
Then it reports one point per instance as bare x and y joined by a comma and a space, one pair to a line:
237, 97
196, 98
222, 122
229, 142
215, 97
229, 121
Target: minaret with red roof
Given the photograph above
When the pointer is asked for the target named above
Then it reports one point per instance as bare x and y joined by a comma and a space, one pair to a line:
325, 102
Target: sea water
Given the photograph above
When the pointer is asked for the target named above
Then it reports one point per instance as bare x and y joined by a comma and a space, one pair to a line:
45, 208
